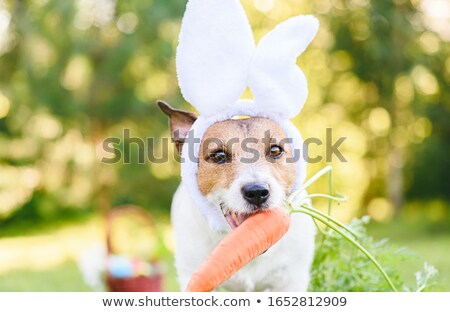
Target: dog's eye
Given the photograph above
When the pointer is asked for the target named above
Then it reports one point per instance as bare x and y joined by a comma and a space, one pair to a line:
218, 157
276, 151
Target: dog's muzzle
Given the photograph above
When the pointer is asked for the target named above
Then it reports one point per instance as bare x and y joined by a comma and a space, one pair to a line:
255, 194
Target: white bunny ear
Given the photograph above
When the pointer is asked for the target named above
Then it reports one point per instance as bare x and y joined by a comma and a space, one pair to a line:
277, 83
215, 49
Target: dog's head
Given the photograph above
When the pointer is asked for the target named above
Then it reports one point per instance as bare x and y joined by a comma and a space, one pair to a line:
244, 165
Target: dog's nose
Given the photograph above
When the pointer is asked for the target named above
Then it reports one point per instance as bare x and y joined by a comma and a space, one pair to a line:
255, 194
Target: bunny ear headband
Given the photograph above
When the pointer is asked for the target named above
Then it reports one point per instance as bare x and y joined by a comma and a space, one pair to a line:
217, 59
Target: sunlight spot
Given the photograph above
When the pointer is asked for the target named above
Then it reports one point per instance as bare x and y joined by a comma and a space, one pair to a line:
5, 36
169, 238
44, 126
424, 80
322, 6
437, 16
4, 106
341, 61
404, 89
162, 150
40, 3
348, 91
45, 250
353, 4
41, 54
30, 178
429, 42
423, 127
339, 4
325, 38
169, 30
127, 23
380, 209
316, 59
156, 85
94, 13
77, 73
379, 121
5, 19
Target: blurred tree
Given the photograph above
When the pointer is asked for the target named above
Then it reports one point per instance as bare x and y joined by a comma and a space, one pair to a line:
398, 62
390, 51
73, 73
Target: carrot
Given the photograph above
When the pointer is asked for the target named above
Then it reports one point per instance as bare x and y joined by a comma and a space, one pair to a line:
255, 235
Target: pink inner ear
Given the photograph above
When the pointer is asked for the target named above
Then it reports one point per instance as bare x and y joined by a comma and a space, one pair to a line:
179, 128
178, 137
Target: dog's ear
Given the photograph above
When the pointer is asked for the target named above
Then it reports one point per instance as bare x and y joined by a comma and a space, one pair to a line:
179, 123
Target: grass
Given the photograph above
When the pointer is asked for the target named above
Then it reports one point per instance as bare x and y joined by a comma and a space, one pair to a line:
336, 266
64, 277
44, 259
423, 246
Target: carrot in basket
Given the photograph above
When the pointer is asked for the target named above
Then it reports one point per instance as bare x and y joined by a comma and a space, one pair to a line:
255, 235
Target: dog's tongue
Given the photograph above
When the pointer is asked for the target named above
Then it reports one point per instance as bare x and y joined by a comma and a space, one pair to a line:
235, 219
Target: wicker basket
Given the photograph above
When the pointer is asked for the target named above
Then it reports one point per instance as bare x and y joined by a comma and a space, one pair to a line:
136, 283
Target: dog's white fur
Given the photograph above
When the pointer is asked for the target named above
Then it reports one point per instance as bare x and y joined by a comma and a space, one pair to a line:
280, 90
232, 199
284, 267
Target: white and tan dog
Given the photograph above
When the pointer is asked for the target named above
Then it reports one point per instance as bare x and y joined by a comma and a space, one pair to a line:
240, 188
242, 160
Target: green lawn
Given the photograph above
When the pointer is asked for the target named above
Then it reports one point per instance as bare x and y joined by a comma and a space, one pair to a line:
432, 247
46, 259
65, 277
425, 245
435, 251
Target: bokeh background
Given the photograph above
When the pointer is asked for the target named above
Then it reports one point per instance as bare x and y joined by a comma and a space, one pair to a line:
73, 73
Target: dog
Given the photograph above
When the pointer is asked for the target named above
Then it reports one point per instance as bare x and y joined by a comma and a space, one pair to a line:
240, 179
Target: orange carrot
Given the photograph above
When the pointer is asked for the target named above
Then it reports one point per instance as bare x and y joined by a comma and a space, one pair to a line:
255, 235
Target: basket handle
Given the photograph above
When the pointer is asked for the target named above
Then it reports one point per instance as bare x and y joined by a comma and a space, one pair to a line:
112, 214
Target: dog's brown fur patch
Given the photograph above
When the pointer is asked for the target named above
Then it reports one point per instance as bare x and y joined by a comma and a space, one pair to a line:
179, 123
232, 132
